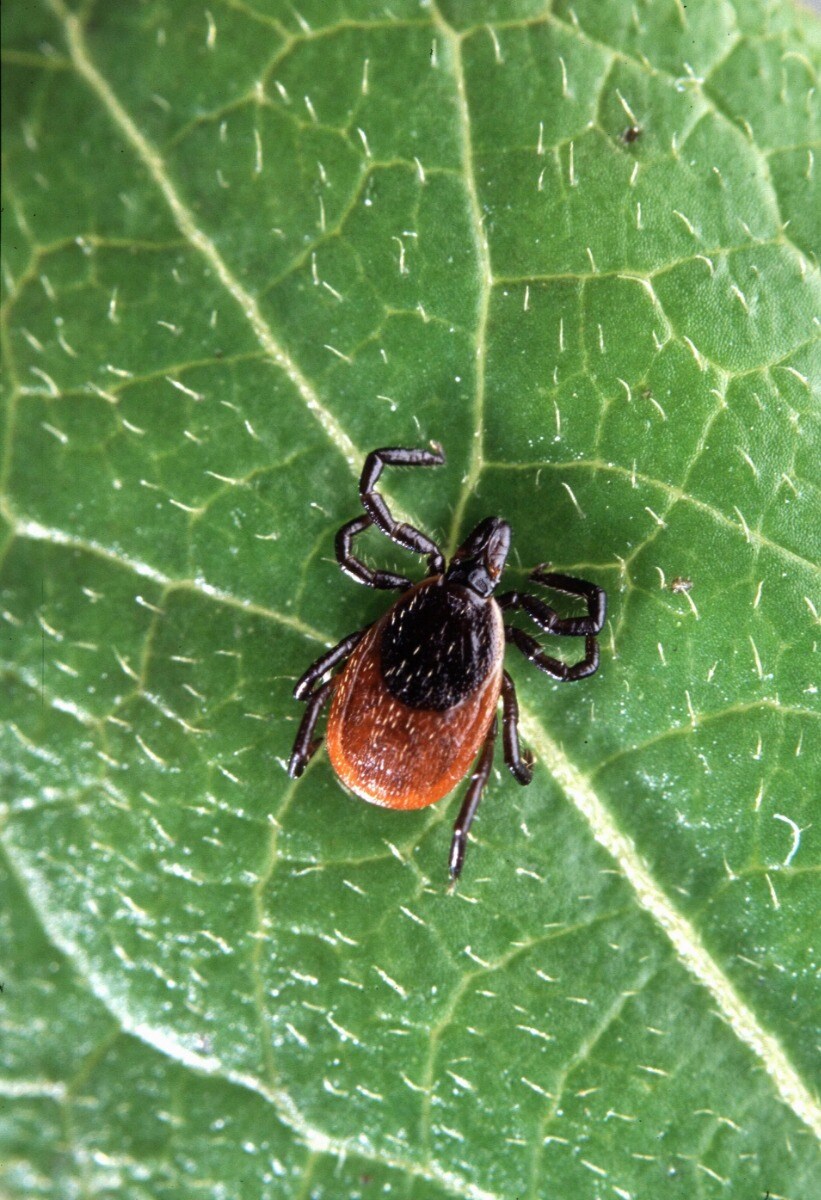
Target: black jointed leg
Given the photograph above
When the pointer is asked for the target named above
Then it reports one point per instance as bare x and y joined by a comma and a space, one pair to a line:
547, 618
305, 746
554, 667
304, 687
571, 585
357, 570
521, 765
376, 508
470, 803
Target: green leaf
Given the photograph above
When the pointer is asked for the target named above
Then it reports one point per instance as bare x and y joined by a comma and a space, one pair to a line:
243, 246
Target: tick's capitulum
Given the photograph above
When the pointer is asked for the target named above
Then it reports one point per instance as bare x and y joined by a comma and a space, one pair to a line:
416, 700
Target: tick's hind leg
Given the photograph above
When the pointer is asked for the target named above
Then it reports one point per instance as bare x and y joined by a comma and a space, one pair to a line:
469, 805
378, 511
304, 686
521, 765
305, 745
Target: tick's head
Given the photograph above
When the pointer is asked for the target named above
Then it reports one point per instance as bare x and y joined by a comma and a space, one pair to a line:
480, 560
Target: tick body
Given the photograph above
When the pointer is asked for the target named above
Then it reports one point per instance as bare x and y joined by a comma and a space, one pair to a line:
413, 706
415, 703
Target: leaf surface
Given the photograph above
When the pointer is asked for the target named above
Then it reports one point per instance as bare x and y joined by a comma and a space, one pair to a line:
244, 246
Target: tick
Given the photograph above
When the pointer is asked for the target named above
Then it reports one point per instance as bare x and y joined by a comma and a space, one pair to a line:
415, 702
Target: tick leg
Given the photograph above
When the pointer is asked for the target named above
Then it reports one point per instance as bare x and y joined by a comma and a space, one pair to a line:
595, 597
547, 618
378, 511
554, 667
521, 765
305, 746
304, 687
469, 805
357, 570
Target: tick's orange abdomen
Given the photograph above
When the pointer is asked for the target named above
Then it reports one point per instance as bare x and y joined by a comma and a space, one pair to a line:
399, 756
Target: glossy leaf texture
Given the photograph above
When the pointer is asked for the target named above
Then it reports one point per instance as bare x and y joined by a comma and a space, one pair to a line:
576, 243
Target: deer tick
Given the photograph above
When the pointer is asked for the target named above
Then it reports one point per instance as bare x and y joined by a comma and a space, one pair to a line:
415, 702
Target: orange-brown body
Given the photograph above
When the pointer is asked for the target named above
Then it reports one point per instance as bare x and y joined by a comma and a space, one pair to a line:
404, 757
415, 703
